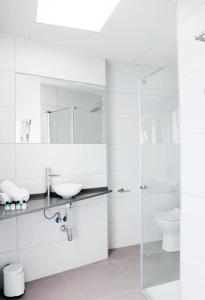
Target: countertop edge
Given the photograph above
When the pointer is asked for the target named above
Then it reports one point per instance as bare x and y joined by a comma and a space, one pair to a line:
83, 195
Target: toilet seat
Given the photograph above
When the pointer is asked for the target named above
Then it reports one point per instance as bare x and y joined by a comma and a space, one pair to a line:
172, 215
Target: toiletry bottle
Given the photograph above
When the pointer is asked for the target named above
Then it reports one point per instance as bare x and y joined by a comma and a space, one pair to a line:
7, 206
18, 205
13, 206
24, 205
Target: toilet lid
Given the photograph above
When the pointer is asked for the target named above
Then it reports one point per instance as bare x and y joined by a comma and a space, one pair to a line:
172, 215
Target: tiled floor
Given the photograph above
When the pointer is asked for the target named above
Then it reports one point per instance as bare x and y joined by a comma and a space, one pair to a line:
159, 266
114, 279
168, 291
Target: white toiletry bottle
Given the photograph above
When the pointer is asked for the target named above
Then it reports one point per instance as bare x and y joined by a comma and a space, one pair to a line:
7, 206
24, 205
18, 205
13, 206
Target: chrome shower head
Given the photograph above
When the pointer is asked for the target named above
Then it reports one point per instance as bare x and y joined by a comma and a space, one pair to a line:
200, 37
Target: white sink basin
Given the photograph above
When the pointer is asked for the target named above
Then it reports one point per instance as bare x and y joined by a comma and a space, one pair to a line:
67, 190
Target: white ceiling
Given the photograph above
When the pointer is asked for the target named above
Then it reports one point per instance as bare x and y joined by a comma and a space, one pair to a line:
139, 31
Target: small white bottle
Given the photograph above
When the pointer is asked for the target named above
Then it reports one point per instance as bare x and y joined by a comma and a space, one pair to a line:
13, 206
7, 206
18, 205
24, 205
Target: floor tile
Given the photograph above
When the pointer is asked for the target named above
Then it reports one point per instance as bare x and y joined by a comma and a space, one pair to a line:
136, 295
99, 280
168, 291
48, 288
117, 278
131, 267
160, 268
94, 272
125, 252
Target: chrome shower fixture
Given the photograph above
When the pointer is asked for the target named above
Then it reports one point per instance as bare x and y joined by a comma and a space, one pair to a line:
200, 37
96, 108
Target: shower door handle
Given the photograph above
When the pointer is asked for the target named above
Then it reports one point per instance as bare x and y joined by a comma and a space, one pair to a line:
122, 190
143, 187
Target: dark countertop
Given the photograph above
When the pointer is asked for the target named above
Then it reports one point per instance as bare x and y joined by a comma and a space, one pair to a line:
39, 202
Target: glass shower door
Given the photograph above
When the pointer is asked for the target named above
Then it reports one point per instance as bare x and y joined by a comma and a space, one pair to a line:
159, 173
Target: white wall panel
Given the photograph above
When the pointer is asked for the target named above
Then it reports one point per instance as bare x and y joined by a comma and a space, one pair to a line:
191, 66
193, 209
122, 234
124, 208
122, 105
193, 164
7, 125
192, 114
7, 88
192, 277
86, 220
53, 61
123, 157
187, 7
123, 131
43, 248
190, 51
7, 161
40, 261
7, 52
31, 160
123, 154
8, 233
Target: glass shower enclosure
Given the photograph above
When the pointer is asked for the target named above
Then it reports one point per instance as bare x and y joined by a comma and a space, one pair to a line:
60, 125
160, 165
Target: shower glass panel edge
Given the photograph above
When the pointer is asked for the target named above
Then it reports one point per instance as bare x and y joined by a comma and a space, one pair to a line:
141, 183
159, 136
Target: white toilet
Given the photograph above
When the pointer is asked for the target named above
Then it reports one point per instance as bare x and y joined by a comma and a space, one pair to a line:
169, 223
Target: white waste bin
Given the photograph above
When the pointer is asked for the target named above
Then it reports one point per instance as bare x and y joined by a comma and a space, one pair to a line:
14, 285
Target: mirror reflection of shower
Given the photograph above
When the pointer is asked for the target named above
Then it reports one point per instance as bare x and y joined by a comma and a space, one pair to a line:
52, 108
97, 108
60, 125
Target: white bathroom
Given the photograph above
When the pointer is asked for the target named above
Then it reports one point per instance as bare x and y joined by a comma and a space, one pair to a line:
102, 149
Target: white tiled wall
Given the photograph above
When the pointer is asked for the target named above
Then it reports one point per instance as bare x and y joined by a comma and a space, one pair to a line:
123, 155
31, 160
7, 88
186, 7
192, 99
7, 53
36, 242
7, 161
43, 248
35, 58
192, 276
51, 249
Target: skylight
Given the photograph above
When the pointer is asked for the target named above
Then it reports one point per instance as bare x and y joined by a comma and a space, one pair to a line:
80, 14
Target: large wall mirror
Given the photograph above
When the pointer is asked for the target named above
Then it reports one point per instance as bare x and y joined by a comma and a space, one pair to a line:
59, 112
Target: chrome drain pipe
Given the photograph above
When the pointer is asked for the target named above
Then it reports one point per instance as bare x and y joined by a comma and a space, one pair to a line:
68, 227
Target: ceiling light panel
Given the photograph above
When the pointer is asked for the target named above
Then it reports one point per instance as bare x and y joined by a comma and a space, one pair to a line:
80, 14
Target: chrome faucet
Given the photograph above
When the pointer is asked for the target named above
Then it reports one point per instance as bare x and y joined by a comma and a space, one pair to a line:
48, 181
